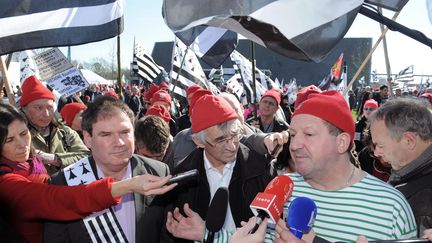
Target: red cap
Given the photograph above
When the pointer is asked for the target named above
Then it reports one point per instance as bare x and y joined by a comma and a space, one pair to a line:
209, 111
112, 94
69, 111
160, 111
371, 103
274, 93
163, 85
161, 96
427, 96
33, 89
192, 89
195, 96
303, 94
149, 93
331, 107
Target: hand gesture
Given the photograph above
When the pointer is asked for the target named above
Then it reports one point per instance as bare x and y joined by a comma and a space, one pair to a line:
242, 234
190, 227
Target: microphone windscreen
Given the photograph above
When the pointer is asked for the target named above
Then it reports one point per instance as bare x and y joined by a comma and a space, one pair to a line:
282, 186
301, 215
217, 210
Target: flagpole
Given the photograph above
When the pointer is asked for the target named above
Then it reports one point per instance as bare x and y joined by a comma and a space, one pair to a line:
119, 83
386, 57
253, 79
3, 70
368, 57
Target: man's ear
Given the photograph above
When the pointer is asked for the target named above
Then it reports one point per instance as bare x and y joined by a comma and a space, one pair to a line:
410, 139
198, 142
343, 142
87, 138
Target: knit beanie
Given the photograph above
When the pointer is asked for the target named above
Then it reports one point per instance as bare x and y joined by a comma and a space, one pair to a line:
112, 94
371, 103
210, 110
160, 111
195, 96
192, 89
149, 93
303, 94
331, 107
33, 89
161, 96
69, 111
274, 93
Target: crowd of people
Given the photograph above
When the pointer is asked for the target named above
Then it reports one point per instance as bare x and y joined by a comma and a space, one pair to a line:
96, 167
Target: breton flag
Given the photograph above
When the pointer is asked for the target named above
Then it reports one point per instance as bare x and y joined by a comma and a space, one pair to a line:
211, 44
144, 65
30, 24
234, 86
27, 65
245, 68
186, 69
292, 28
406, 74
343, 84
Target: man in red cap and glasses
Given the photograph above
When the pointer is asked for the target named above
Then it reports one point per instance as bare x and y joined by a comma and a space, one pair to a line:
222, 161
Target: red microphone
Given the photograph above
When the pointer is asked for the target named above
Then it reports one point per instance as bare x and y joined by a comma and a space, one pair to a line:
269, 204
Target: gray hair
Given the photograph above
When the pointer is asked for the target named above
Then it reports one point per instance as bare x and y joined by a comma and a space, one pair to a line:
405, 115
227, 128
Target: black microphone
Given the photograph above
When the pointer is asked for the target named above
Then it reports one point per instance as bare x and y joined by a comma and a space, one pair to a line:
216, 212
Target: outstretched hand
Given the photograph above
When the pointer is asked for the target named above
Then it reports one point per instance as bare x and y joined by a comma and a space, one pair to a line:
190, 227
273, 139
242, 234
151, 185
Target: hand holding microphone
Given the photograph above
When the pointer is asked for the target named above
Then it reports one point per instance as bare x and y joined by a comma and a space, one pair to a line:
269, 204
301, 216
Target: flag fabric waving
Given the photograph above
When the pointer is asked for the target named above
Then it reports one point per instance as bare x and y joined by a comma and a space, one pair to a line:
30, 24
144, 65
211, 44
406, 74
331, 81
186, 69
293, 28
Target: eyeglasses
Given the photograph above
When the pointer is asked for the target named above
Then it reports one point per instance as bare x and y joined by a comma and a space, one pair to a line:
369, 109
225, 140
270, 103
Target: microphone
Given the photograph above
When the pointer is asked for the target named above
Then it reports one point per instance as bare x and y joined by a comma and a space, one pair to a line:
216, 212
301, 216
269, 204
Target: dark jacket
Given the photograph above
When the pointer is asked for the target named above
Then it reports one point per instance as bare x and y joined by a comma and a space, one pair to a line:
415, 182
278, 125
148, 219
358, 138
250, 176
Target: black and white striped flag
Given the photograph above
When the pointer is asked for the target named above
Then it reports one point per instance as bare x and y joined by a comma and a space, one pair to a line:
186, 69
144, 65
292, 28
211, 44
406, 74
30, 24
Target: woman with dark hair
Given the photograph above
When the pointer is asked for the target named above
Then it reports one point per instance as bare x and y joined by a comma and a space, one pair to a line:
366, 96
25, 197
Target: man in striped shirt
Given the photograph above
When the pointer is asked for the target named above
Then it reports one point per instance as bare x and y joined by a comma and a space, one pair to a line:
350, 202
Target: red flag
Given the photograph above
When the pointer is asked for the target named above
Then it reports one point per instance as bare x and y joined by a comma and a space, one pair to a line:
336, 69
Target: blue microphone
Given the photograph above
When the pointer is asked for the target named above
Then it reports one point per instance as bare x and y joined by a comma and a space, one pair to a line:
301, 216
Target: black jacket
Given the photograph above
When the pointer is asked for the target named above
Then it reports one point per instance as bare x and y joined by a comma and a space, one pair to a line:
251, 175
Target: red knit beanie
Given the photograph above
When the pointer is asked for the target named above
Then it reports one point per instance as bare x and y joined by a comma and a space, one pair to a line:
161, 96
163, 85
149, 93
331, 107
160, 111
427, 96
195, 96
371, 103
192, 89
33, 89
303, 94
274, 93
112, 94
69, 111
211, 110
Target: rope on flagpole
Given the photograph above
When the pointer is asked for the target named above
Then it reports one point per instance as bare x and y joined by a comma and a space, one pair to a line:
368, 57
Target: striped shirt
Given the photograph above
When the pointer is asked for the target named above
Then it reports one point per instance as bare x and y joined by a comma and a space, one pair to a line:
370, 208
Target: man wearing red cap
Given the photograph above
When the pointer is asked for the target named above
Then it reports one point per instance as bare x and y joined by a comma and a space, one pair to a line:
267, 120
222, 162
349, 201
56, 145
71, 114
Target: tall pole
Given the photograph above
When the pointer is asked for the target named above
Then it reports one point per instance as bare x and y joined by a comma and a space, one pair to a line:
254, 79
119, 82
180, 69
6, 83
386, 57
368, 57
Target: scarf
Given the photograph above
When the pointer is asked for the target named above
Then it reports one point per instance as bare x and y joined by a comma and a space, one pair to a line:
32, 169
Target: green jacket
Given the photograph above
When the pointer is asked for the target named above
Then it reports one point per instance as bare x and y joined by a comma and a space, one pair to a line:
65, 143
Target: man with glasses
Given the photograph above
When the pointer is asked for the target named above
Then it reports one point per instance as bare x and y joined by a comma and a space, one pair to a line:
267, 121
222, 161
57, 145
